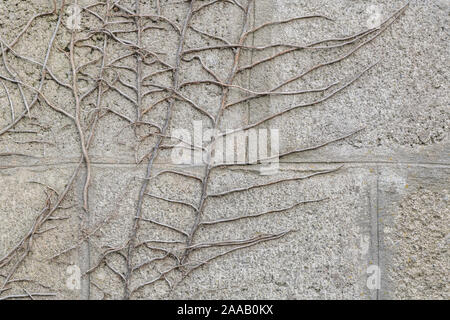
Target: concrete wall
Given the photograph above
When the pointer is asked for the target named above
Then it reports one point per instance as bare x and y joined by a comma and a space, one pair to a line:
384, 213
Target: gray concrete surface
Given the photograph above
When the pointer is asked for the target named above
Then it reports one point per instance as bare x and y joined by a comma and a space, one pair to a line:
386, 210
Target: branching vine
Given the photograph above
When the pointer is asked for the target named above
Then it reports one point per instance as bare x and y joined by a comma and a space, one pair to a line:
156, 84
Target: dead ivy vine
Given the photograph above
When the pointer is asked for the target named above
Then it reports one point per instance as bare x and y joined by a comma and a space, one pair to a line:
108, 72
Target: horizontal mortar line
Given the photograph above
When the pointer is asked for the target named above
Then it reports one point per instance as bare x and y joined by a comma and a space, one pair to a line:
368, 162
391, 163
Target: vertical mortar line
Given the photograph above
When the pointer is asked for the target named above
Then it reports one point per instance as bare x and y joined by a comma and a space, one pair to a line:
86, 247
378, 228
85, 283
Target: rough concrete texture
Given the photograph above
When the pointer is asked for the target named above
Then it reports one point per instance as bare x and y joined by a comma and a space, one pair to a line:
384, 211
